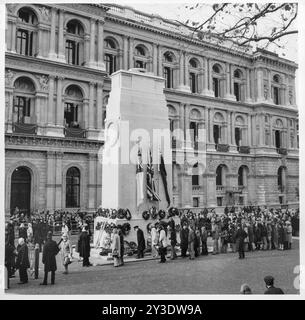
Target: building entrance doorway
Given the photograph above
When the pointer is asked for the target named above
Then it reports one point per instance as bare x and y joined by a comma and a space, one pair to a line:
21, 190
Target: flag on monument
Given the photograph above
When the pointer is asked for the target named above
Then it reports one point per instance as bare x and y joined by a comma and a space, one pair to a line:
150, 182
139, 179
164, 180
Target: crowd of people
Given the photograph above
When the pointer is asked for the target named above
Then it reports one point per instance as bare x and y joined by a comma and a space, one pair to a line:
246, 229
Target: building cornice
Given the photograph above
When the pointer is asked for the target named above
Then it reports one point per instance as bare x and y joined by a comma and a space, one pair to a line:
55, 68
43, 143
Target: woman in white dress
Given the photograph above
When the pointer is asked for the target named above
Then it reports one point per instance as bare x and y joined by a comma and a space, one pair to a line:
116, 248
66, 252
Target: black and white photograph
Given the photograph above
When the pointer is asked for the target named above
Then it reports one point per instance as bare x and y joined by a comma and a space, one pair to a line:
151, 148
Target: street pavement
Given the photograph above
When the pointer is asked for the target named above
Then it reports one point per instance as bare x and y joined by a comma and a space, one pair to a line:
212, 274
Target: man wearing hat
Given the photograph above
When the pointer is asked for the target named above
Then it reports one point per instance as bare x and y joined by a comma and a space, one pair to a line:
50, 250
141, 242
269, 281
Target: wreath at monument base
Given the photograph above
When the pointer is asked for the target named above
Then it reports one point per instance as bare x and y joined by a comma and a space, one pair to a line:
161, 214
145, 215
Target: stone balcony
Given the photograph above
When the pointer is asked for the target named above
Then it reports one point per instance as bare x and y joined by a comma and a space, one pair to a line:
282, 151
25, 128
222, 147
243, 149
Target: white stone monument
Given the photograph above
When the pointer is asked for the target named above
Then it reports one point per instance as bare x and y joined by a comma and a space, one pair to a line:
135, 114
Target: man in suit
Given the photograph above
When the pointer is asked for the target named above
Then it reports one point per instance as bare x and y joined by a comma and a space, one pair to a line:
141, 242
184, 235
269, 281
22, 262
50, 250
241, 234
84, 246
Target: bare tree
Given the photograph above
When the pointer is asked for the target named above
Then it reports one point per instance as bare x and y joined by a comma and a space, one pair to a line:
258, 24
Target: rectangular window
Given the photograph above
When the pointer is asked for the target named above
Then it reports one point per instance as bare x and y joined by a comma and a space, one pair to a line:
238, 136
276, 95
237, 91
241, 201
216, 87
168, 77
71, 115
22, 108
277, 139
22, 41
140, 64
195, 180
281, 200
193, 82
195, 202
72, 52
216, 133
219, 201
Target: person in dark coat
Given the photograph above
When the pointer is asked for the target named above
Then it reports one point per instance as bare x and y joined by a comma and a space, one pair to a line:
10, 255
121, 246
141, 242
22, 232
173, 240
204, 238
184, 235
84, 247
11, 232
50, 250
271, 289
22, 262
240, 236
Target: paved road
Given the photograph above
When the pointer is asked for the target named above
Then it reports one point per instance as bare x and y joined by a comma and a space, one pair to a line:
220, 274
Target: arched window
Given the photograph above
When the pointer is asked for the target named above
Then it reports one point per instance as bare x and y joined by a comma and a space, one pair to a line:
168, 69
238, 85
219, 175
24, 100
73, 106
217, 76
75, 43
242, 176
21, 190
140, 57
73, 188
195, 175
194, 127
111, 51
193, 75
26, 28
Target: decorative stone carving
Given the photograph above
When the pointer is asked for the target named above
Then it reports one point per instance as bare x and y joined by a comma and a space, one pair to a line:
44, 82
290, 96
45, 13
9, 75
266, 91
10, 7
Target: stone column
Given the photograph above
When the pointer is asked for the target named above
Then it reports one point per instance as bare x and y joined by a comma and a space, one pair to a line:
288, 134
87, 49
270, 131
248, 86
260, 85
9, 101
295, 142
100, 45
59, 103
181, 70
52, 54
50, 185
229, 83
92, 62
160, 60
125, 48
211, 145
99, 106
207, 128
261, 121
155, 59
269, 87
186, 71
13, 36
40, 41
249, 130
210, 67
92, 180
229, 128
233, 116
131, 44
61, 44
85, 113
59, 199
51, 106
91, 115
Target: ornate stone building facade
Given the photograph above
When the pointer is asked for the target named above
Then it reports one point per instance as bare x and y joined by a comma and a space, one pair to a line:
58, 61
